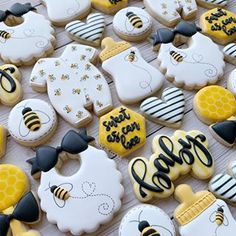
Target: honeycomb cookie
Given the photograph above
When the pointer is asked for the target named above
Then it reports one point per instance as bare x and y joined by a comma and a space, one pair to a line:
212, 3
122, 131
231, 82
230, 53
220, 25
3, 140
213, 104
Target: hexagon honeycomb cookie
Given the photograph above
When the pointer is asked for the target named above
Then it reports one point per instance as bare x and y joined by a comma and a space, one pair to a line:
122, 131
213, 104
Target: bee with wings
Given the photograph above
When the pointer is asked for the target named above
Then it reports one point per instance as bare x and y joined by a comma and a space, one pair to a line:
177, 57
5, 35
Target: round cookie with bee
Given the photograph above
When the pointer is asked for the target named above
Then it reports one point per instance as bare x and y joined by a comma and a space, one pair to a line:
132, 24
32, 122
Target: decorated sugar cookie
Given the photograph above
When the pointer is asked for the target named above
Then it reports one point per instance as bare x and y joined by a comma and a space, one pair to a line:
183, 153
146, 220
170, 12
136, 73
73, 84
212, 3
169, 110
32, 122
202, 214
122, 131
231, 83
32, 31
214, 104
61, 13
132, 24
91, 32
96, 187
3, 140
194, 67
230, 53
109, 6
220, 25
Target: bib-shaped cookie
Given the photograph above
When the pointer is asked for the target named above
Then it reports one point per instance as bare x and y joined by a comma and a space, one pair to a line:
212, 3
32, 122
146, 220
132, 24
73, 84
231, 82
3, 140
181, 154
213, 104
220, 25
62, 12
136, 73
201, 213
230, 53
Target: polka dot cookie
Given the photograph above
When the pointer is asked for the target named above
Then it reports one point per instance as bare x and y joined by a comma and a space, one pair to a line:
213, 104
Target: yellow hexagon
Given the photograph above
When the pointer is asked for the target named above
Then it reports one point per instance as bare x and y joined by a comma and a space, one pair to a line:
122, 131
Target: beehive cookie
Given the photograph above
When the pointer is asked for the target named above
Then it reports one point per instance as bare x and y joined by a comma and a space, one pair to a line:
213, 104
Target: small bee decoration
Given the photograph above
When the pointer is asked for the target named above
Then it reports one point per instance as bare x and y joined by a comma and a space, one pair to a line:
79, 114
67, 109
65, 77
87, 67
97, 77
176, 56
84, 78
99, 104
74, 66
57, 92
57, 63
218, 217
42, 73
5, 35
99, 87
131, 56
76, 91
51, 77
82, 57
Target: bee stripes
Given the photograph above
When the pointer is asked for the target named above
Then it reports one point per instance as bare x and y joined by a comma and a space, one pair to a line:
31, 119
219, 216
60, 193
4, 34
135, 20
146, 230
176, 56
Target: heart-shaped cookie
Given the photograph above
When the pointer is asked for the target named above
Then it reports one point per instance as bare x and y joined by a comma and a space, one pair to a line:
90, 32
169, 110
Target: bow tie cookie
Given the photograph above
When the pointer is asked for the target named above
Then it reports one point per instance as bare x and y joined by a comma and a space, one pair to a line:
73, 84
60, 13
136, 73
220, 25
32, 122
96, 187
32, 31
170, 12
230, 53
169, 110
214, 104
183, 153
146, 220
212, 3
3, 141
132, 24
194, 67
202, 214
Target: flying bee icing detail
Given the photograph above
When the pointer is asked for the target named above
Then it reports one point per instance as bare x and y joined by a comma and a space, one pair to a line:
131, 56
4, 34
176, 56
60, 192
146, 230
218, 217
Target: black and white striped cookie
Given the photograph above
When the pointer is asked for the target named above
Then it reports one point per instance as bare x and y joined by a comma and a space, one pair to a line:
230, 53
91, 32
169, 110
212, 3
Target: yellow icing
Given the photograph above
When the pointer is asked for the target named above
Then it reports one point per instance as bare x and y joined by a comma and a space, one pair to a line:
215, 103
135, 125
108, 6
3, 142
13, 185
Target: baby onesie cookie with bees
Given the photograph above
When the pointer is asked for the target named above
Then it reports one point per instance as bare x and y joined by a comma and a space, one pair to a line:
214, 104
201, 63
230, 53
146, 220
61, 13
212, 3
201, 213
132, 24
170, 12
180, 154
220, 25
74, 85
32, 122
136, 73
30, 30
95, 188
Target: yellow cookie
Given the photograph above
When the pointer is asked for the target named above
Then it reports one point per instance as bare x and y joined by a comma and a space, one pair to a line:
13, 185
220, 25
3, 141
213, 104
122, 131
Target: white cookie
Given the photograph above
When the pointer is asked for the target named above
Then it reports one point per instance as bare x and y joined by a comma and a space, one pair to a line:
212, 3
73, 84
231, 83
32, 122
230, 53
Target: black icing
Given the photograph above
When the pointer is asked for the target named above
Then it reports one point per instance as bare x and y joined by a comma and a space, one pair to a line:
6, 74
142, 225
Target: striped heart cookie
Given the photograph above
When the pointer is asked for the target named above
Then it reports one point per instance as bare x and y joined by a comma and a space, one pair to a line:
230, 53
169, 110
224, 185
212, 3
91, 32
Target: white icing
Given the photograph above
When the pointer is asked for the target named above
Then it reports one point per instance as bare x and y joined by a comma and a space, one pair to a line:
202, 62
94, 198
156, 217
137, 76
18, 128
73, 84
231, 83
220, 3
32, 39
205, 224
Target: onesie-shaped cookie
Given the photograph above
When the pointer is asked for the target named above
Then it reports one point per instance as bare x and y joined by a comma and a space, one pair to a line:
27, 37
73, 84
202, 214
194, 67
129, 70
170, 12
212, 3
183, 153
62, 12
95, 189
